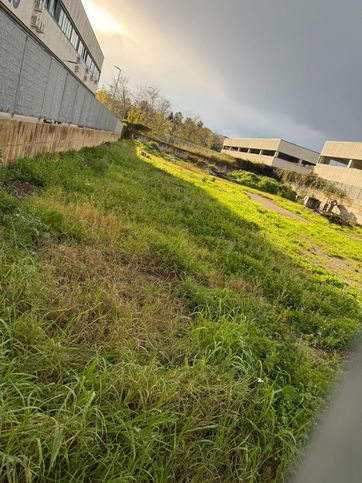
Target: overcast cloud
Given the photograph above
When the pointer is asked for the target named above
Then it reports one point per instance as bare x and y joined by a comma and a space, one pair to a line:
268, 68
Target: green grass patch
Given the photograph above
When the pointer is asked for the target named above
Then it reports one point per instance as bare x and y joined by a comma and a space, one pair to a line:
156, 325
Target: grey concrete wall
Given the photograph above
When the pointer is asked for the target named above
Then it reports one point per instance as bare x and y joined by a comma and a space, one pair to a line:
298, 152
255, 158
297, 168
349, 209
20, 139
346, 150
272, 144
349, 179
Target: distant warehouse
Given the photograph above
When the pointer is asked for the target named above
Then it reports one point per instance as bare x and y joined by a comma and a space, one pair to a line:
50, 63
272, 152
341, 163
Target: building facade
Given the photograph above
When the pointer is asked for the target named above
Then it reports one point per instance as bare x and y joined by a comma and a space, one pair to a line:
272, 152
63, 27
341, 163
50, 62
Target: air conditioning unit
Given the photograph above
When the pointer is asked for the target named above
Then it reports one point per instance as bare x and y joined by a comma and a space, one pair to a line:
40, 28
34, 21
76, 68
38, 5
37, 23
87, 70
78, 59
85, 78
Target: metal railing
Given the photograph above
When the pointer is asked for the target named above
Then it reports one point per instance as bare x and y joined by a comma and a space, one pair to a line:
34, 83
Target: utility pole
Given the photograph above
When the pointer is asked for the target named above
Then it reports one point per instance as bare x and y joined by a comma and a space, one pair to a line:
116, 86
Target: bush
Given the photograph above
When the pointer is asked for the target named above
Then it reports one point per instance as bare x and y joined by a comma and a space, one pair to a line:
154, 146
264, 183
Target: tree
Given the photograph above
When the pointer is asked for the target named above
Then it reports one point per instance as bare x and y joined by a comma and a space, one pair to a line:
146, 107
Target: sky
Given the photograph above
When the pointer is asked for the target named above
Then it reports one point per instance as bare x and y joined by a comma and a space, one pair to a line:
288, 69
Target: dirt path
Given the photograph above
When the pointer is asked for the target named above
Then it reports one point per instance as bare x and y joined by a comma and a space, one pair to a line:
271, 205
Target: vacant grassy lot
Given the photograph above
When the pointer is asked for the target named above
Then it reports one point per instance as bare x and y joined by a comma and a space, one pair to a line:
158, 325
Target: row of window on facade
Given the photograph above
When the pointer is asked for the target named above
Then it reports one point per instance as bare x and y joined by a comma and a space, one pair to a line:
264, 152
267, 152
56, 10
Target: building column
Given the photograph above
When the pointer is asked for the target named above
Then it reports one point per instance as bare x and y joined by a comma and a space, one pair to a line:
350, 164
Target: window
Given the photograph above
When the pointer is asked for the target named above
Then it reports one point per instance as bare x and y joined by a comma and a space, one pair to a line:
50, 6
59, 14
268, 152
74, 39
287, 157
254, 151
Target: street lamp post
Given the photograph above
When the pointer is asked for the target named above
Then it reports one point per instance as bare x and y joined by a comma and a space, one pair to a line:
116, 86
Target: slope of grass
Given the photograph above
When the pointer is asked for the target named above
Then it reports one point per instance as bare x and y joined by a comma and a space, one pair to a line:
157, 325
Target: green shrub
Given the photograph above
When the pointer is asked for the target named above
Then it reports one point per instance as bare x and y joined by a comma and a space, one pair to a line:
154, 146
264, 183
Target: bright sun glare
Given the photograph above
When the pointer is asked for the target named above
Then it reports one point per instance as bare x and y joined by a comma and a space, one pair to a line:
102, 21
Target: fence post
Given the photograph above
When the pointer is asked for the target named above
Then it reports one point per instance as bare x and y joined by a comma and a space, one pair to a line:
46, 87
61, 102
81, 111
19, 78
75, 100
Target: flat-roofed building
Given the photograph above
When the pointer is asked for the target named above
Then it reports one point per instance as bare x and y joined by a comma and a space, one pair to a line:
64, 28
272, 152
341, 163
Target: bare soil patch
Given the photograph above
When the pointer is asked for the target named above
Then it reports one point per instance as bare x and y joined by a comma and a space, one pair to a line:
271, 205
21, 189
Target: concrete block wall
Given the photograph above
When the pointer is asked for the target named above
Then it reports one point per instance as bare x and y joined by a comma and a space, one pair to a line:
350, 209
20, 139
349, 179
254, 158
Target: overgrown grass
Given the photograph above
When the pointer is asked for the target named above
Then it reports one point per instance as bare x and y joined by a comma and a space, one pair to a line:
151, 327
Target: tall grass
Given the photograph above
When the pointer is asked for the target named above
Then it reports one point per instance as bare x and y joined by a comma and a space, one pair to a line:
151, 332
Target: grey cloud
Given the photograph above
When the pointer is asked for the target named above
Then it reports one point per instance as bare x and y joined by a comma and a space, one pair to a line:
294, 63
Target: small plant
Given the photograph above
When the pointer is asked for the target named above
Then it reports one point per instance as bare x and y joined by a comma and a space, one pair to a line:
7, 202
153, 145
98, 165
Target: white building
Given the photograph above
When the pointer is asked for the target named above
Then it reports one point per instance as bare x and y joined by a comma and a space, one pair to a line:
63, 27
341, 163
272, 152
